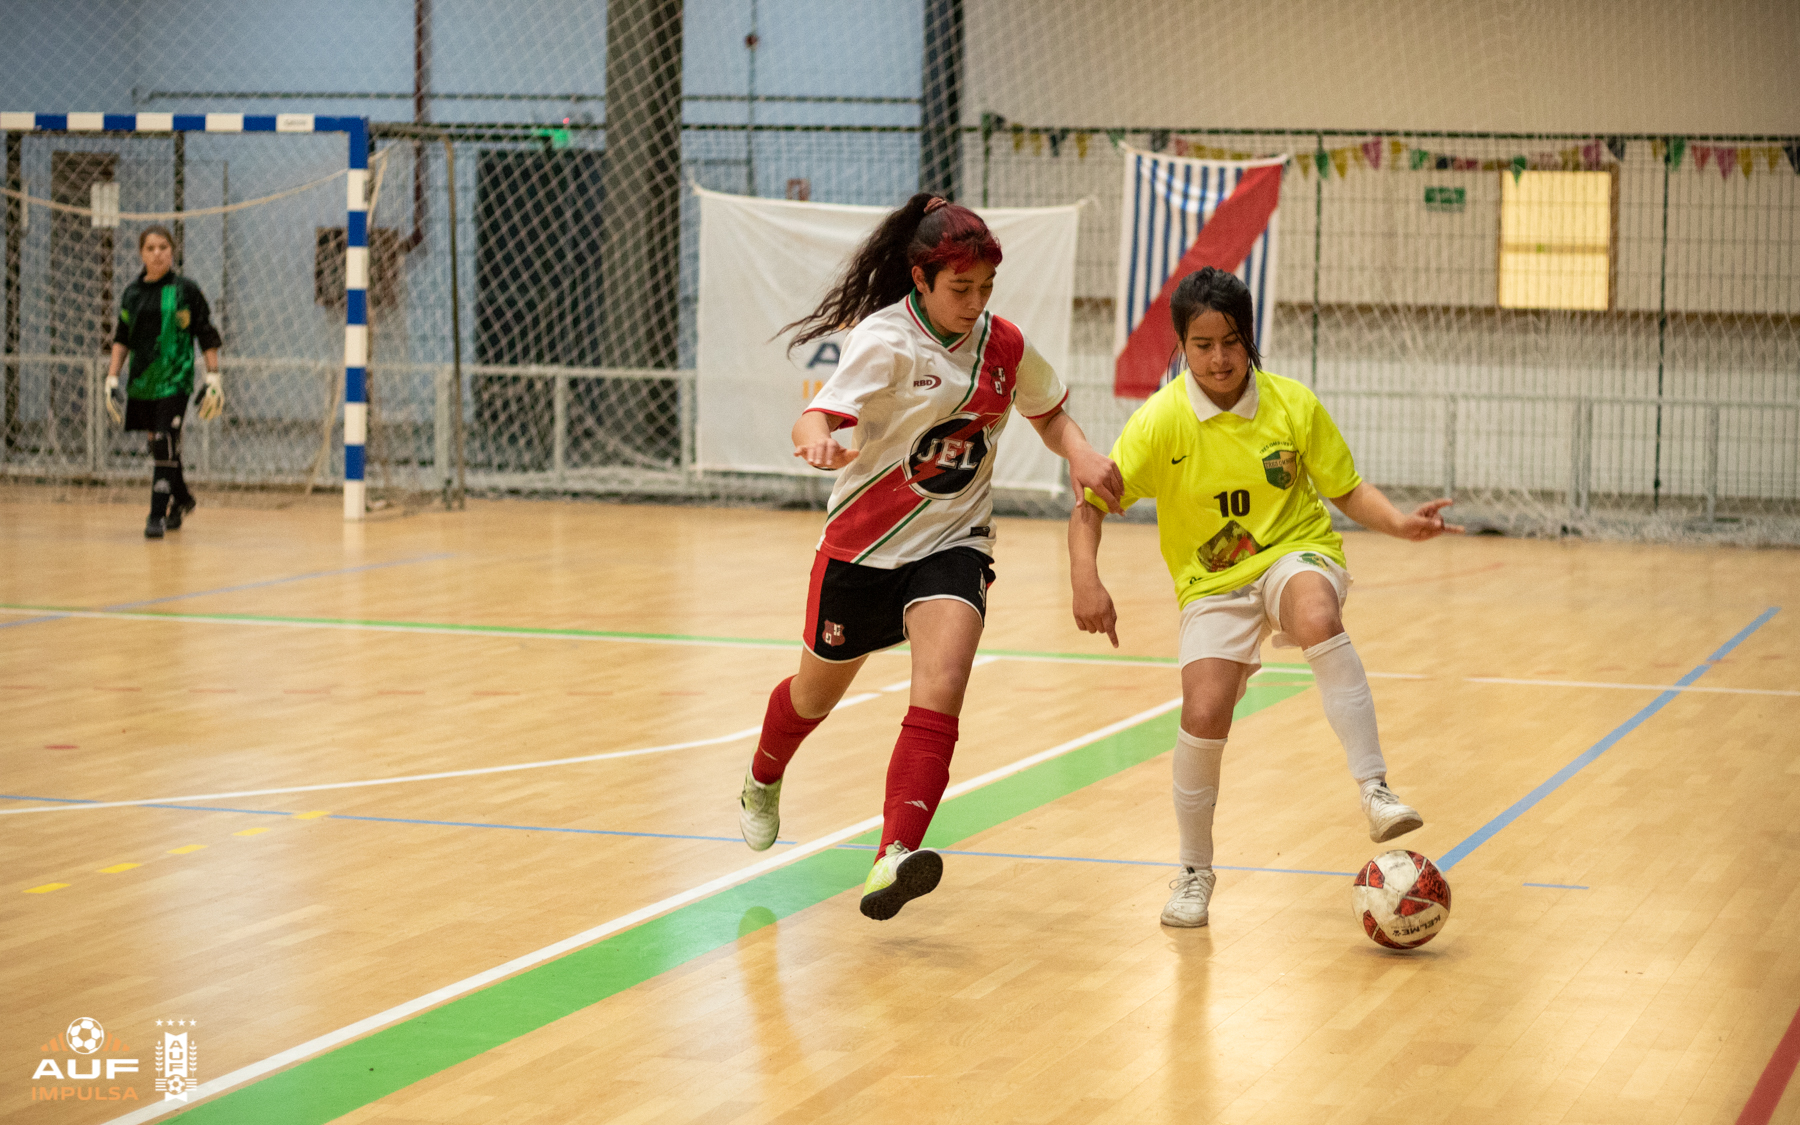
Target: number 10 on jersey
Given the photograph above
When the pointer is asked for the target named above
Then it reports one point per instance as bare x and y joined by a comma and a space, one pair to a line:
1234, 503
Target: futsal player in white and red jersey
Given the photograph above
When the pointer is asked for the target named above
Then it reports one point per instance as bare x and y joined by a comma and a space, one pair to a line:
928, 378
1237, 459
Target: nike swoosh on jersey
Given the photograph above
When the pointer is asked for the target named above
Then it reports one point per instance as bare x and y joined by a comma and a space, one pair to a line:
1178, 460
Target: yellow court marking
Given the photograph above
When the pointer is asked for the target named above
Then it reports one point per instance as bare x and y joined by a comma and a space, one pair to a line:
185, 849
251, 832
118, 867
314, 815
45, 889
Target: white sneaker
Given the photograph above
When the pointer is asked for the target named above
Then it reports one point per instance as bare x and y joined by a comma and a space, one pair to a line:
898, 877
1388, 815
759, 815
1193, 891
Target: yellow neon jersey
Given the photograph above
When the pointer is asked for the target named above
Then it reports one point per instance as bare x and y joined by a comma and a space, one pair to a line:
1234, 494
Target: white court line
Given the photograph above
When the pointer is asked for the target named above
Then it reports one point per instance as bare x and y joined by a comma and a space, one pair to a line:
608, 756
850, 701
1628, 687
399, 1012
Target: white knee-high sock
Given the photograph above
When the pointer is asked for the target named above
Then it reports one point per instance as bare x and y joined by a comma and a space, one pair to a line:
1197, 765
1344, 690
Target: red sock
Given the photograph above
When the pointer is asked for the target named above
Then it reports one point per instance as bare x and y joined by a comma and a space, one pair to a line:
783, 730
917, 775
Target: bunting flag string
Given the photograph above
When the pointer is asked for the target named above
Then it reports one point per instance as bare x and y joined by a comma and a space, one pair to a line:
1395, 154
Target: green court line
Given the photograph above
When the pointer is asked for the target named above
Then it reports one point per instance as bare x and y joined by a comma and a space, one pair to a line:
571, 634
330, 1085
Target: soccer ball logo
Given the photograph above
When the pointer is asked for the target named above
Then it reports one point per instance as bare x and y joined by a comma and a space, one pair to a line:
86, 1036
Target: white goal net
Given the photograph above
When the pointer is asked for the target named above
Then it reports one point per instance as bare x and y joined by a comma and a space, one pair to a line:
1542, 258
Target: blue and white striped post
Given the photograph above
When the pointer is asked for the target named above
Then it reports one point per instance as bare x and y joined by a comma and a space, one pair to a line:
356, 322
356, 227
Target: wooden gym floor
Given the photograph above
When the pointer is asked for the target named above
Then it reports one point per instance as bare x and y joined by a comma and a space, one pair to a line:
433, 820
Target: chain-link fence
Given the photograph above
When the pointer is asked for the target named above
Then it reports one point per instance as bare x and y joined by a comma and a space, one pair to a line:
534, 263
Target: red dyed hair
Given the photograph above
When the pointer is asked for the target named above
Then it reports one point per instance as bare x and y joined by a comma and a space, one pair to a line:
926, 232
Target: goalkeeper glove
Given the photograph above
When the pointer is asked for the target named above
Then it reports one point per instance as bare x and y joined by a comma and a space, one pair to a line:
112, 400
212, 399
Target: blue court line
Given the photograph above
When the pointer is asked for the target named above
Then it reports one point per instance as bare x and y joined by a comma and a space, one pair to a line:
1126, 862
1557, 886
397, 820
539, 828
1487, 831
234, 589
683, 836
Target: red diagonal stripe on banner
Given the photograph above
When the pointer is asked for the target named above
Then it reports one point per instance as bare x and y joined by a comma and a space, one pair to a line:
1224, 242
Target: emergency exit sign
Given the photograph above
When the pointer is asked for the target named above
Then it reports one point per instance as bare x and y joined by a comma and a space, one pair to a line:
1451, 199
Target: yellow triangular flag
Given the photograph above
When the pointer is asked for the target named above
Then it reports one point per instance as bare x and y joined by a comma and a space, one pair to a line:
1340, 159
1396, 149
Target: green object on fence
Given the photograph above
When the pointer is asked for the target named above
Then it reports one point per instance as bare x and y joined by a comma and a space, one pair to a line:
1448, 199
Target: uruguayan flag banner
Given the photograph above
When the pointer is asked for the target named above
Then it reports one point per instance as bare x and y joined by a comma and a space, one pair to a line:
1181, 214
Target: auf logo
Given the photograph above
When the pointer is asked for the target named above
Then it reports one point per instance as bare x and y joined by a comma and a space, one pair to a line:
85, 1038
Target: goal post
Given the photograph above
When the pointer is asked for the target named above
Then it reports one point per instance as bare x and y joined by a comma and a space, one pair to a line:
356, 257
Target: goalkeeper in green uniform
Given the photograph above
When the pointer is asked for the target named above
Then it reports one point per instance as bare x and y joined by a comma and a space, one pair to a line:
161, 317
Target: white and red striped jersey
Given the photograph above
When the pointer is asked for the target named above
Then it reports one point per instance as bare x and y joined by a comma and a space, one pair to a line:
928, 414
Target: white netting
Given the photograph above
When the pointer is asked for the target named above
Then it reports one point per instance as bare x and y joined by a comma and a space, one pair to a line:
558, 356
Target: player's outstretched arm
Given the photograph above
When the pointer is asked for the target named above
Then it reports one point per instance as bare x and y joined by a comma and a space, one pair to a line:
1094, 611
814, 444
1370, 507
1087, 467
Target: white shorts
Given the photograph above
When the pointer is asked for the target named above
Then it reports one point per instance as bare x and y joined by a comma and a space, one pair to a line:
1232, 626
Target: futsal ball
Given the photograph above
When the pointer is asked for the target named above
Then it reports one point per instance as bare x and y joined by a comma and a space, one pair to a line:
86, 1036
1401, 899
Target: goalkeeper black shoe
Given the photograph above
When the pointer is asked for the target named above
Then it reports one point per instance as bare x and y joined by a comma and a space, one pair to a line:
153, 528
177, 510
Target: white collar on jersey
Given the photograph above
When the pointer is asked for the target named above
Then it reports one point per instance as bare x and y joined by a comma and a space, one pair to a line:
1206, 409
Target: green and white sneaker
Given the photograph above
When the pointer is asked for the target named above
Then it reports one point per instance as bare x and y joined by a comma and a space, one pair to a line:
1193, 892
898, 877
759, 812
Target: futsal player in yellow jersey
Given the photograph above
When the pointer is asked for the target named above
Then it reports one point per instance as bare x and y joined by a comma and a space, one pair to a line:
1237, 459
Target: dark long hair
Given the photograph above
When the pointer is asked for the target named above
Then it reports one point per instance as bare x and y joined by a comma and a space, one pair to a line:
1213, 288
160, 231
927, 232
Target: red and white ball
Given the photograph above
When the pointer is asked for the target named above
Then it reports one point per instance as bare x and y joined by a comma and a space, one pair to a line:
1401, 899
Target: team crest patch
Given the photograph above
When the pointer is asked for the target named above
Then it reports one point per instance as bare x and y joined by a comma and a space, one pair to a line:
1312, 559
1229, 547
999, 376
832, 634
1280, 466
181, 318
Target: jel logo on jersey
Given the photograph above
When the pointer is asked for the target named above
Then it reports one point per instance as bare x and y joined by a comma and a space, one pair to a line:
946, 458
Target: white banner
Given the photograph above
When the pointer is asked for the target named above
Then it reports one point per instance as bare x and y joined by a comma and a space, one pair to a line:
768, 262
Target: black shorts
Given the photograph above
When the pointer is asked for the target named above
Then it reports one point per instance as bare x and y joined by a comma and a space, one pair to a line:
854, 610
155, 414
